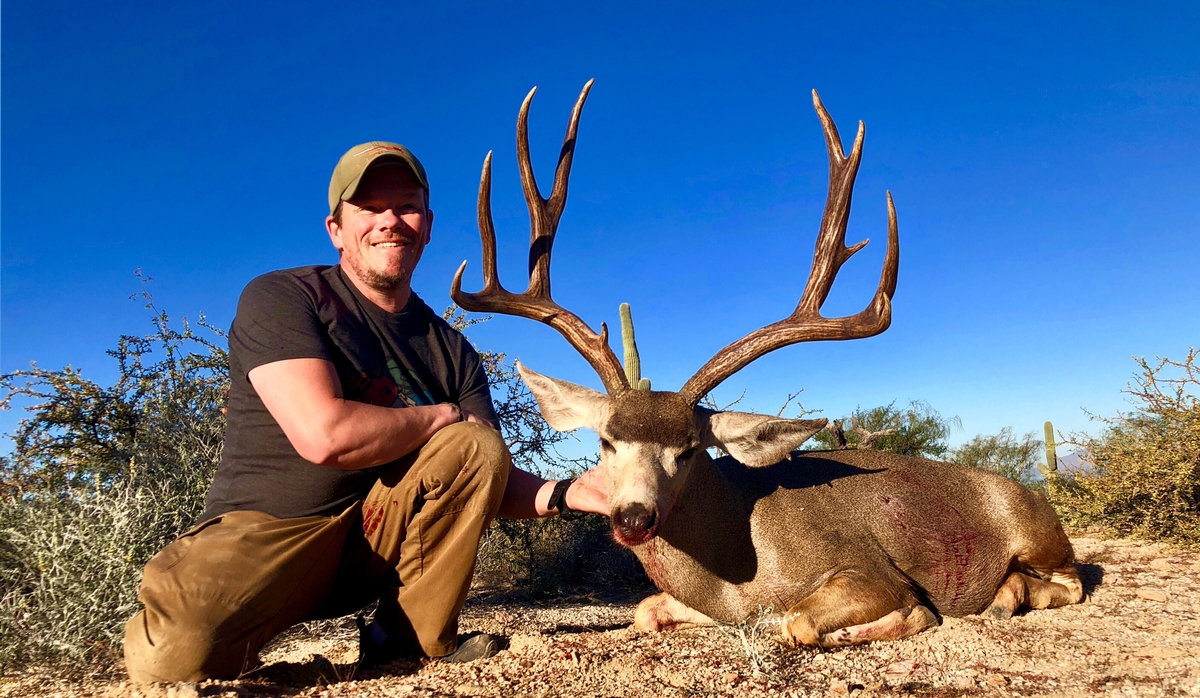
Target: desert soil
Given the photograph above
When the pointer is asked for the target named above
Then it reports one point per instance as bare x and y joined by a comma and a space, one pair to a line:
1137, 634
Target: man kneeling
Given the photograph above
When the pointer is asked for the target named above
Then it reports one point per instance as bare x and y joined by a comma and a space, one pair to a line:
362, 460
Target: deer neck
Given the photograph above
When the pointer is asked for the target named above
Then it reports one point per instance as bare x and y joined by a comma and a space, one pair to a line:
704, 547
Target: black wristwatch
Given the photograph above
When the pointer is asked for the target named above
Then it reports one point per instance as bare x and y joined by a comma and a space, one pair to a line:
558, 500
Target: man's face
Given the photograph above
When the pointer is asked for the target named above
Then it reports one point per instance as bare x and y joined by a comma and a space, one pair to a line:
384, 228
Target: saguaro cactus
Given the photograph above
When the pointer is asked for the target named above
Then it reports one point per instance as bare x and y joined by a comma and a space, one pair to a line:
633, 363
1050, 469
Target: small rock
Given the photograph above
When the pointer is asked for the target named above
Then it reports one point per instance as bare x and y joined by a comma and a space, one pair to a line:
183, 690
964, 682
901, 668
729, 677
1162, 564
997, 680
837, 687
469, 689
1152, 594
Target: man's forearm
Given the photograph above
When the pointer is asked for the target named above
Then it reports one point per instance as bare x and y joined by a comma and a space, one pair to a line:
355, 435
526, 497
305, 398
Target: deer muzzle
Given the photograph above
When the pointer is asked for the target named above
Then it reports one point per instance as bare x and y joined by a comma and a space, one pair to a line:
634, 524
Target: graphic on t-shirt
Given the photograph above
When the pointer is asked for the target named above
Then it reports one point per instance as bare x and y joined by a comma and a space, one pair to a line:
411, 392
379, 390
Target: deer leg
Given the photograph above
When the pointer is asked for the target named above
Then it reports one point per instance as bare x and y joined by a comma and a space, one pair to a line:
896, 625
852, 608
664, 612
1022, 590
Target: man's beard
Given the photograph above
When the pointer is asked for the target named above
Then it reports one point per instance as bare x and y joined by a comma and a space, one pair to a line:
376, 280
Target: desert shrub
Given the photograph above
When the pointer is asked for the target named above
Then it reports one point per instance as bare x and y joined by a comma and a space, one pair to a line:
1141, 475
1003, 454
70, 566
546, 558
99, 480
919, 430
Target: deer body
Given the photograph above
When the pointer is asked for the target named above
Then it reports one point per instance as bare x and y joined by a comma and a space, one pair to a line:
741, 540
847, 546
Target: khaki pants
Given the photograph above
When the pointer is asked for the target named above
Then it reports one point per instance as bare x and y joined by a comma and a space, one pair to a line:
218, 594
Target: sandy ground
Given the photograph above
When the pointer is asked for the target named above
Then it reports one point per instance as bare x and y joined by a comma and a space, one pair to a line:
1138, 634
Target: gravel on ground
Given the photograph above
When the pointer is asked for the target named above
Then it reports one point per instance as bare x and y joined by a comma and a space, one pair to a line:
1137, 634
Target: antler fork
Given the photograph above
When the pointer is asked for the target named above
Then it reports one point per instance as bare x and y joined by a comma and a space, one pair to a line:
535, 303
806, 324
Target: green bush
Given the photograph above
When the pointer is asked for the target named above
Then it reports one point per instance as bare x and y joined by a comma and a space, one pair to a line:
917, 430
1141, 475
1003, 454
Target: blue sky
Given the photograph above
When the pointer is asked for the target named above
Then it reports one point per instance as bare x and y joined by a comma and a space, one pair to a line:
1044, 158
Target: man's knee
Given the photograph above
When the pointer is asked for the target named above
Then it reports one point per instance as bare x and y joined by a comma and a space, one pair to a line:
164, 649
217, 594
483, 448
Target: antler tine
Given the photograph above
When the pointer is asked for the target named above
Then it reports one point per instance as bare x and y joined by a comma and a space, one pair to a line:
806, 324
535, 303
487, 236
544, 214
831, 251
487, 229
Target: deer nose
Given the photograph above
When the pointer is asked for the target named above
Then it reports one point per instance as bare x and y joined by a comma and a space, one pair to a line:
635, 521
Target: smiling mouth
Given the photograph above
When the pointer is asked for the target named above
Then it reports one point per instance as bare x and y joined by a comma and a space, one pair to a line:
389, 244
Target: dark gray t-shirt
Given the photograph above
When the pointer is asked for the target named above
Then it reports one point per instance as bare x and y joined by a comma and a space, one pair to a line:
389, 359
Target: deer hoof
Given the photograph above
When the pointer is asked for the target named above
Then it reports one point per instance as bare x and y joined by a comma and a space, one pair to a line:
799, 629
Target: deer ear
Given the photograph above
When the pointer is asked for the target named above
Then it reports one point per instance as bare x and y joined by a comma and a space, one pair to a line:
565, 406
755, 440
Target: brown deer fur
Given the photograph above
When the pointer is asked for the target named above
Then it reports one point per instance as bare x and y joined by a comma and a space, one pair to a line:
830, 540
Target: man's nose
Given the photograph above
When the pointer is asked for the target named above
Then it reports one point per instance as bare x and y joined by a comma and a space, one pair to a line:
388, 218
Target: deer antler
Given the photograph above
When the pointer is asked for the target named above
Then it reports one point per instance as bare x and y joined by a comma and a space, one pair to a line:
535, 303
806, 324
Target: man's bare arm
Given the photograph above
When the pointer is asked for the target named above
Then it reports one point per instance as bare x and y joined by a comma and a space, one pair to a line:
305, 398
527, 496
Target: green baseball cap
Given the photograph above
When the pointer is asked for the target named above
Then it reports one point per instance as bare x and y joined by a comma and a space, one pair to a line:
354, 164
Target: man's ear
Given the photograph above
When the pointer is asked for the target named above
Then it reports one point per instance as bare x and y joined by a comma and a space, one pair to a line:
565, 406
429, 225
755, 440
335, 233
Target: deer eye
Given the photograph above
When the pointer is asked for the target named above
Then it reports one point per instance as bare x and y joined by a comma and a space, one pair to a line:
605, 445
687, 455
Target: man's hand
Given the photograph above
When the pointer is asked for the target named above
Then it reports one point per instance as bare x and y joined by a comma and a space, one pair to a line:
589, 493
476, 419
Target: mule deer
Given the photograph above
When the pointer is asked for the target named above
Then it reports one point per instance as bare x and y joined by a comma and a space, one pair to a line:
854, 545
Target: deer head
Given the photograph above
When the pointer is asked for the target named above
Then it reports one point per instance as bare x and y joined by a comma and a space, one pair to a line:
649, 440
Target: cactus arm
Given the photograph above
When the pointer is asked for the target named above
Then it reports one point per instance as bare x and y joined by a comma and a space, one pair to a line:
1050, 469
633, 363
